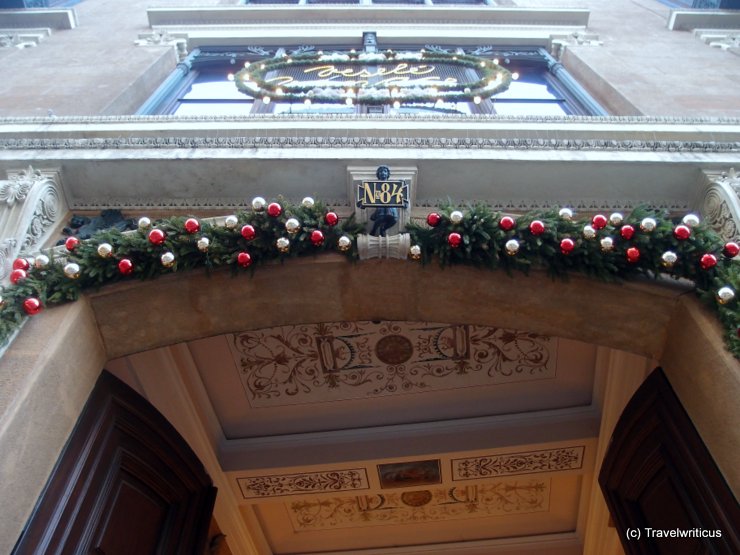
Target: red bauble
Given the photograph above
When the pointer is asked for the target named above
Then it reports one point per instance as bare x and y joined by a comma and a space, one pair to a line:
633, 255
32, 306
157, 236
192, 225
317, 237
248, 232
627, 232
731, 249
125, 267
567, 245
21, 264
682, 232
17, 276
454, 239
331, 218
433, 219
536, 227
244, 259
507, 223
71, 243
598, 221
707, 261
274, 209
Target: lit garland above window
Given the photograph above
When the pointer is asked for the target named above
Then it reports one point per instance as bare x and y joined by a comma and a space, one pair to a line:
392, 78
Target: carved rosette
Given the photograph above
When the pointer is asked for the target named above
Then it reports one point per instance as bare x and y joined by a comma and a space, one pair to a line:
721, 205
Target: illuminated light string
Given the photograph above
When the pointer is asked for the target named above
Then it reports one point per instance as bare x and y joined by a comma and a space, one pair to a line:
392, 78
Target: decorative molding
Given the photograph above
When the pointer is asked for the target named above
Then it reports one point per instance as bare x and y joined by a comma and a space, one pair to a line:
578, 38
22, 38
392, 246
510, 464
363, 142
724, 39
254, 487
190, 204
721, 204
165, 38
289, 365
31, 205
427, 505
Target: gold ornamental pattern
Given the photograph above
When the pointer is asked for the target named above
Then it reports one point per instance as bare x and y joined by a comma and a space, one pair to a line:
298, 364
507, 464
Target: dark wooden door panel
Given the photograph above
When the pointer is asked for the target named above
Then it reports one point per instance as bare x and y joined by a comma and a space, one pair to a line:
658, 475
126, 484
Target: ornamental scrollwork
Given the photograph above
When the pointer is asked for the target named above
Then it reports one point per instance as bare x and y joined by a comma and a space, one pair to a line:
310, 482
508, 464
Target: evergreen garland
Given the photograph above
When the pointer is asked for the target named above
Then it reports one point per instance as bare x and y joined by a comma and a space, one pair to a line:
483, 243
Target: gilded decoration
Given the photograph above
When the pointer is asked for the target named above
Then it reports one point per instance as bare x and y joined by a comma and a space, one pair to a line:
254, 487
357, 360
507, 464
495, 499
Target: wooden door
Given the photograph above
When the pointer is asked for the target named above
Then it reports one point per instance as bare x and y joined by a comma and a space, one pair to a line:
125, 484
664, 491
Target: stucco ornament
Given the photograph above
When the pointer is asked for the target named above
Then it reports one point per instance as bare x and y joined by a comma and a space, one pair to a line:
17, 187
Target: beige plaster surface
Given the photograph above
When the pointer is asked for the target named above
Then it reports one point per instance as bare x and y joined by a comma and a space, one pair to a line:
45, 379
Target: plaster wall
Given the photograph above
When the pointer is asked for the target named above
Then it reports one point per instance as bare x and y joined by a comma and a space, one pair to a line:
642, 67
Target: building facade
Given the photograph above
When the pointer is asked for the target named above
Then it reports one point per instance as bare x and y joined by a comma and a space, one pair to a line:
382, 404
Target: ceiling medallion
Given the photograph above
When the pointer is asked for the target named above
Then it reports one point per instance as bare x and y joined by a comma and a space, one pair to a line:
394, 349
392, 78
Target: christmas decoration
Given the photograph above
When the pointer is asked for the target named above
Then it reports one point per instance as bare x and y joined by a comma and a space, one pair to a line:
105, 250
566, 214
599, 221
21, 264
648, 224
731, 249
244, 259
317, 237
606, 244
292, 226
691, 220
32, 306
415, 252
536, 227
344, 243
331, 218
274, 209
433, 219
627, 232
589, 232
454, 239
707, 261
725, 295
258, 204
17, 275
668, 259
283, 244
507, 223
41, 261
144, 223
633, 255
308, 202
248, 232
125, 267
230, 222
192, 225
567, 245
456, 216
156, 236
71, 243
203, 244
72, 270
512, 247
167, 259
616, 219
682, 232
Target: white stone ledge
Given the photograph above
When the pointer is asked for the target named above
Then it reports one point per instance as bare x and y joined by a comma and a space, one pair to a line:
35, 18
686, 20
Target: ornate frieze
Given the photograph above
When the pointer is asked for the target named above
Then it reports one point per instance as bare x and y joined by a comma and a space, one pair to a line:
358, 360
721, 204
509, 464
427, 505
31, 206
255, 487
